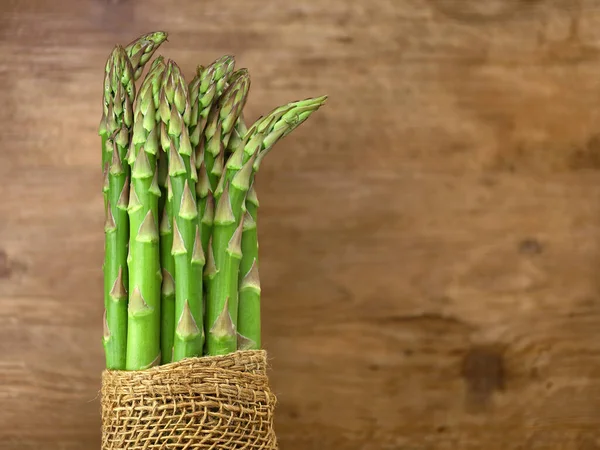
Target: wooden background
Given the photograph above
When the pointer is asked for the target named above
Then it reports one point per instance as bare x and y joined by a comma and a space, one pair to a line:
430, 239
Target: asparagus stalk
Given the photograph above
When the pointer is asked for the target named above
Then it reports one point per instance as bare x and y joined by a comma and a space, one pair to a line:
141, 50
260, 138
239, 131
144, 312
167, 262
119, 95
249, 324
167, 328
221, 121
222, 299
279, 123
175, 112
167, 302
205, 89
205, 205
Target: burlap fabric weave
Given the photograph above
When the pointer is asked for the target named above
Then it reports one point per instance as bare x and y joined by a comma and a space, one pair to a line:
219, 402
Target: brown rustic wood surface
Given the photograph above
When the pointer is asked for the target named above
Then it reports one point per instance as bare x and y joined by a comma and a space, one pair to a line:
430, 239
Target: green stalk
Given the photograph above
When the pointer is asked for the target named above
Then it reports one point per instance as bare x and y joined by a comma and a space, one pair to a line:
249, 328
205, 202
167, 327
261, 138
167, 263
222, 299
187, 248
167, 316
145, 277
249, 325
119, 92
187, 332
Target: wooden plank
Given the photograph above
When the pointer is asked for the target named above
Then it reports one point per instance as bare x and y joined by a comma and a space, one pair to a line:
429, 241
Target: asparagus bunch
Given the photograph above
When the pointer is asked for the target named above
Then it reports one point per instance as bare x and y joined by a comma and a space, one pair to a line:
181, 253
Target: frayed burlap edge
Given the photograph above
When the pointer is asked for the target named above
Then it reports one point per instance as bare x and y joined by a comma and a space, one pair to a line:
213, 402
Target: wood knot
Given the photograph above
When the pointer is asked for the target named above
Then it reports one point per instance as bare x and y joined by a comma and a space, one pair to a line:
530, 246
5, 267
9, 266
483, 371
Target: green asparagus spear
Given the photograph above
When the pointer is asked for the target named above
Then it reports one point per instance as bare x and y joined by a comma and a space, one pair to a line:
205, 89
175, 111
240, 129
144, 313
221, 121
119, 92
279, 123
167, 329
167, 316
141, 50
261, 137
249, 328
249, 324
227, 254
205, 205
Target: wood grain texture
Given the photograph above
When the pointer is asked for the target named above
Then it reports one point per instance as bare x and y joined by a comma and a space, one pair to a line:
430, 240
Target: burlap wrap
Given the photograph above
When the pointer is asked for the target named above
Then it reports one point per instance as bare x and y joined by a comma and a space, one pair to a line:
220, 402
